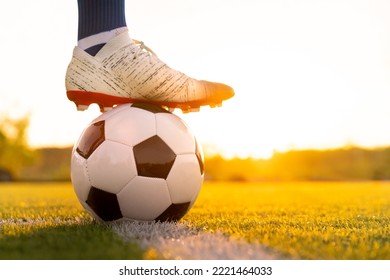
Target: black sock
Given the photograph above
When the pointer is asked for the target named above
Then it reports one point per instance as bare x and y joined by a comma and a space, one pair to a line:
96, 16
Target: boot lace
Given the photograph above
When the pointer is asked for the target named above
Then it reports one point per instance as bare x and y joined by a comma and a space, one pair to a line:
143, 49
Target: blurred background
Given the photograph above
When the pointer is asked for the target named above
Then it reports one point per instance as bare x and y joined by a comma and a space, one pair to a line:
312, 82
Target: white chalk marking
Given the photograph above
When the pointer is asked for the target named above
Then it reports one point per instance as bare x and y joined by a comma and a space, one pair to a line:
178, 241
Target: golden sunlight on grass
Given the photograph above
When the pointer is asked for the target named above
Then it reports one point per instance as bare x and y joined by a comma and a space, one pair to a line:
297, 220
301, 220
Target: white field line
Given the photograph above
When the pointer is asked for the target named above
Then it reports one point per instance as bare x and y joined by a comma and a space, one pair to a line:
40, 221
171, 240
178, 241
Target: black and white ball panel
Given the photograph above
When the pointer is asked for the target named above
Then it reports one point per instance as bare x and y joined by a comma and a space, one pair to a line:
80, 177
144, 198
111, 166
174, 212
93, 136
127, 128
175, 133
200, 157
184, 180
104, 204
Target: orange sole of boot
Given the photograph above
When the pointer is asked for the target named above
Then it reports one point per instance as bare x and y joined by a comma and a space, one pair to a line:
106, 102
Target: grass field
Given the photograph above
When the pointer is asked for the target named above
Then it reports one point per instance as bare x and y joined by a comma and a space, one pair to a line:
296, 220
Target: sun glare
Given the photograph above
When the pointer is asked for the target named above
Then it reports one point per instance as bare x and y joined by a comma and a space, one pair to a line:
301, 80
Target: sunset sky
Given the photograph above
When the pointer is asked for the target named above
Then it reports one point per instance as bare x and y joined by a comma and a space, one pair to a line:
307, 73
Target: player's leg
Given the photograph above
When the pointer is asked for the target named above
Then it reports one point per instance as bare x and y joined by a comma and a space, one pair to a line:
99, 22
110, 68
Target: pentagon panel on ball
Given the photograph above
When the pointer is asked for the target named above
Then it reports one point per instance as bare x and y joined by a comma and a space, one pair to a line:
154, 158
137, 162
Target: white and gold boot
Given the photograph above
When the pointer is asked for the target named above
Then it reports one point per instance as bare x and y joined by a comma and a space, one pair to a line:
126, 71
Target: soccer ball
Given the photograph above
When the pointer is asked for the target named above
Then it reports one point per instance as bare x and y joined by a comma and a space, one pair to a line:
137, 162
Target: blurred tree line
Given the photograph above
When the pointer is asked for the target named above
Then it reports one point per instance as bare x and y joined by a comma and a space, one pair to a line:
316, 165
18, 161
350, 163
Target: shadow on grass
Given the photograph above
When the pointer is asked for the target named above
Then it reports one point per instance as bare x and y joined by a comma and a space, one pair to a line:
75, 242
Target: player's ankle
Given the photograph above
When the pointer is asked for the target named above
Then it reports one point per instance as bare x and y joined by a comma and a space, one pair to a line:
93, 44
